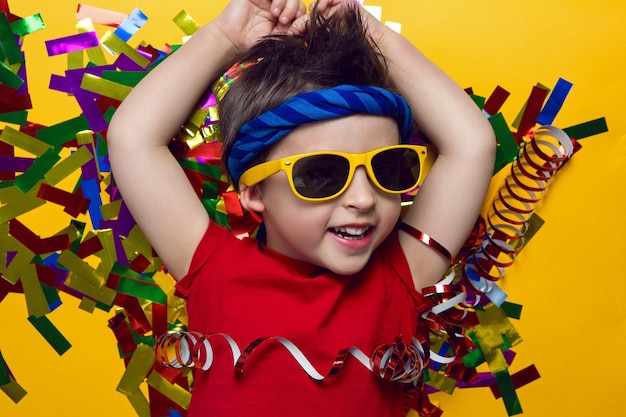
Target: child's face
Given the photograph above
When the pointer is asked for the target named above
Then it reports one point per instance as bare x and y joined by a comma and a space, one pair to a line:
338, 234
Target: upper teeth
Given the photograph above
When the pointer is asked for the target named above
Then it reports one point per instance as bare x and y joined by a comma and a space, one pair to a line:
354, 231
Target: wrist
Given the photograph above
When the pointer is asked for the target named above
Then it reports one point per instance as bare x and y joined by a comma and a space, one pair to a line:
217, 45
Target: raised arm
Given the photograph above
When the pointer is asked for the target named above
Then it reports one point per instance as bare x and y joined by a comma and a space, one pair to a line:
151, 181
452, 194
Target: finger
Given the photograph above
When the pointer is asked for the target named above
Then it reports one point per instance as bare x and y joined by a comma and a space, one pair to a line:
290, 11
277, 7
298, 25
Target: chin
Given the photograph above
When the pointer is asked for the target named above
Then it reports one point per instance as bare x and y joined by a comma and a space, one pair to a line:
348, 268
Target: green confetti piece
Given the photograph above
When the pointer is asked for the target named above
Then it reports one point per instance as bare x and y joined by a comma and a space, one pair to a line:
507, 146
16, 117
480, 101
8, 44
512, 310
60, 133
38, 169
49, 332
137, 285
127, 78
507, 391
28, 25
205, 169
583, 130
4, 371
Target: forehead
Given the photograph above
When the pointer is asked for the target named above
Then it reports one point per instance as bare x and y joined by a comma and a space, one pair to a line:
356, 133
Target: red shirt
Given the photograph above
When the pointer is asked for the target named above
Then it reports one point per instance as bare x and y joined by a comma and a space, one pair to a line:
245, 290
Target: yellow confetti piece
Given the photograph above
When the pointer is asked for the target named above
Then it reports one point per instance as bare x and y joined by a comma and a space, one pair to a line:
174, 392
139, 403
107, 254
75, 60
18, 207
104, 87
23, 141
84, 278
118, 46
136, 243
137, 369
494, 326
87, 305
68, 166
95, 54
441, 382
13, 390
7, 243
110, 211
36, 302
186, 23
18, 265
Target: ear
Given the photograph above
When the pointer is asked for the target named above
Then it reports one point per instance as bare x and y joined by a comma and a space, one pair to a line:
251, 198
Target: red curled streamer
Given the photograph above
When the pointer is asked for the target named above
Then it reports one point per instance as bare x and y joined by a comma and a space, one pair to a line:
399, 362
540, 157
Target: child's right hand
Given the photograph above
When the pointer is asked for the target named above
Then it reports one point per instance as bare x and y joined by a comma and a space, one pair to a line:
244, 22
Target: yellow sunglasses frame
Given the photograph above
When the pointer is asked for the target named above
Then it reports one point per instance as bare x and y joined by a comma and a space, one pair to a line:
260, 172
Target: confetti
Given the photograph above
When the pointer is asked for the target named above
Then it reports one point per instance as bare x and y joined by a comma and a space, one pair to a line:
101, 257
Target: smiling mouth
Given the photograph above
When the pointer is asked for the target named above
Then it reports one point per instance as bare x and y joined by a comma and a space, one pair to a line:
351, 233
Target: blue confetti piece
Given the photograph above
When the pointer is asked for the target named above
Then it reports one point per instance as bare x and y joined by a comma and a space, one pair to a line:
554, 102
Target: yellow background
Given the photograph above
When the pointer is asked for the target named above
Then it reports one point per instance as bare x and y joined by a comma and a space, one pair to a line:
569, 277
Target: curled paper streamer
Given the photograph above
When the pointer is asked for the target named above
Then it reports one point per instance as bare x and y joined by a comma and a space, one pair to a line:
540, 157
397, 362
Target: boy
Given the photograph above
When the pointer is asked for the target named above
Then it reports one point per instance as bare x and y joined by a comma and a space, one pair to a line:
332, 272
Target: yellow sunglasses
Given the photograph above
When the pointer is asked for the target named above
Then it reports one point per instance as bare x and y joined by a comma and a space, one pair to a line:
320, 176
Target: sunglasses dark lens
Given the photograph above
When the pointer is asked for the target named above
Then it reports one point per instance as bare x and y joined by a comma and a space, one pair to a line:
397, 169
320, 176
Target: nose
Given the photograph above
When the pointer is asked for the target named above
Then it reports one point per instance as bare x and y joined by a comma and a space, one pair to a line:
360, 194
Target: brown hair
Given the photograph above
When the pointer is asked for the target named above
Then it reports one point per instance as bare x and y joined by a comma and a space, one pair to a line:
330, 51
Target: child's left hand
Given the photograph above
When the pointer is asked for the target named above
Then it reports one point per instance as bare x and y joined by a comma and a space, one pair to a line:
244, 22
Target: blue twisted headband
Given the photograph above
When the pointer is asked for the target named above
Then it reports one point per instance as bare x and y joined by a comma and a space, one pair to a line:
344, 100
